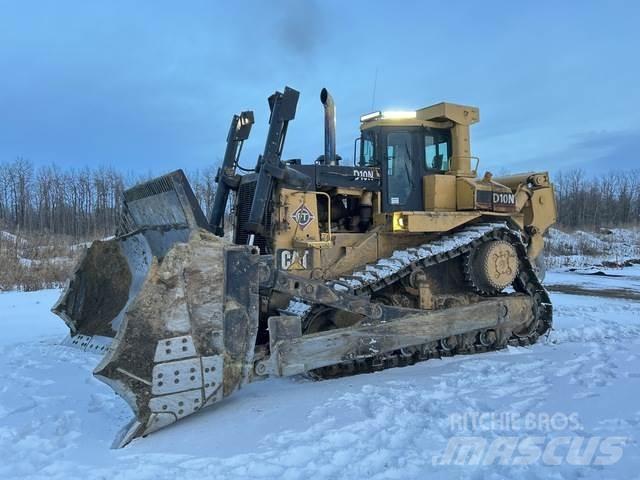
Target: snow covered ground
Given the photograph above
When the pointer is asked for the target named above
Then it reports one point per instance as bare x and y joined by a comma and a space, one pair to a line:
57, 421
582, 249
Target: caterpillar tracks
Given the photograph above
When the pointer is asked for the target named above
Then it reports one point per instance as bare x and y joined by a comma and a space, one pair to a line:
387, 272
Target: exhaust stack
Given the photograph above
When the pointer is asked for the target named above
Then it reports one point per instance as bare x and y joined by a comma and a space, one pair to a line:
329, 128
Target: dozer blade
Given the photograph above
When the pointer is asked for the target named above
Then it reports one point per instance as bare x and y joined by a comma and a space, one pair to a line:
180, 303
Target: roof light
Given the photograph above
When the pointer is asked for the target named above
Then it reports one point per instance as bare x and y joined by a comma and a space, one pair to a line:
398, 114
389, 115
370, 116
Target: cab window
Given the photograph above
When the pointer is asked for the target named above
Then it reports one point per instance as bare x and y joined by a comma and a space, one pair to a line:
436, 153
367, 153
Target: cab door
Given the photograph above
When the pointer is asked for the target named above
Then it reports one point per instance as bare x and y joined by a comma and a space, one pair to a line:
402, 169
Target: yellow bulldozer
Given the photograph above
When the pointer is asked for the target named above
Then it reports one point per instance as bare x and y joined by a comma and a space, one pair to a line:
323, 269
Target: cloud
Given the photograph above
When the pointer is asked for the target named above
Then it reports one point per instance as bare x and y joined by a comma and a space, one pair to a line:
610, 149
594, 151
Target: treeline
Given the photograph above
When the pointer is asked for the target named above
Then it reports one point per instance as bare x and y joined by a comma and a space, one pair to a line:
594, 201
85, 203
80, 203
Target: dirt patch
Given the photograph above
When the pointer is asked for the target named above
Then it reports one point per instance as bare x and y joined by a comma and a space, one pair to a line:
99, 290
625, 263
601, 292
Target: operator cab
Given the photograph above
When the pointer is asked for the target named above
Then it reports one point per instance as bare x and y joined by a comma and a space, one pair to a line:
405, 155
407, 146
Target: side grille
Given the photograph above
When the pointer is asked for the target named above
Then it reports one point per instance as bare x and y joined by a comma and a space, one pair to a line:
245, 194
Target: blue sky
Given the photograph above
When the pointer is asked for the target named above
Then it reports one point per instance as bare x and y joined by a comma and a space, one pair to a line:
151, 86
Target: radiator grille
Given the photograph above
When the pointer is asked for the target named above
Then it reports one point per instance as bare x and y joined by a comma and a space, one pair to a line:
150, 188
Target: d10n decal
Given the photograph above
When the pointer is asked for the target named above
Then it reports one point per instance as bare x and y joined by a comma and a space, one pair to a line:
365, 174
504, 198
302, 216
298, 259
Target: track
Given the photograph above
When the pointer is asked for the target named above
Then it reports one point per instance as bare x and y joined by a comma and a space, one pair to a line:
388, 271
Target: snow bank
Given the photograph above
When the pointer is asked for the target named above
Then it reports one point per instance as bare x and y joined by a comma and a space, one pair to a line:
580, 249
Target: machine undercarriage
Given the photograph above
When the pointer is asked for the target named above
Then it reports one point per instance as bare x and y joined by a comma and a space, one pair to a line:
447, 265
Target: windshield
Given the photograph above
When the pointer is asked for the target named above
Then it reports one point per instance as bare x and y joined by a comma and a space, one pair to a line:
399, 167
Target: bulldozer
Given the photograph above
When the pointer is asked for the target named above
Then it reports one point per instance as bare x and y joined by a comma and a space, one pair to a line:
322, 269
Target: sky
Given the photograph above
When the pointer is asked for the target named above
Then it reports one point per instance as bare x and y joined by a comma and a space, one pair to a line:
151, 86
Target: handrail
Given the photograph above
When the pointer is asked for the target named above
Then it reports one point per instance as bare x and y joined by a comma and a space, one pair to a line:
470, 157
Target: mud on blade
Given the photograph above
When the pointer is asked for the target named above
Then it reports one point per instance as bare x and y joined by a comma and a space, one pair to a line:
180, 303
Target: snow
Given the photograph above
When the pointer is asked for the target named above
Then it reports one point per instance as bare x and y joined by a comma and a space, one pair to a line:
385, 267
57, 421
297, 307
9, 236
25, 316
581, 249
